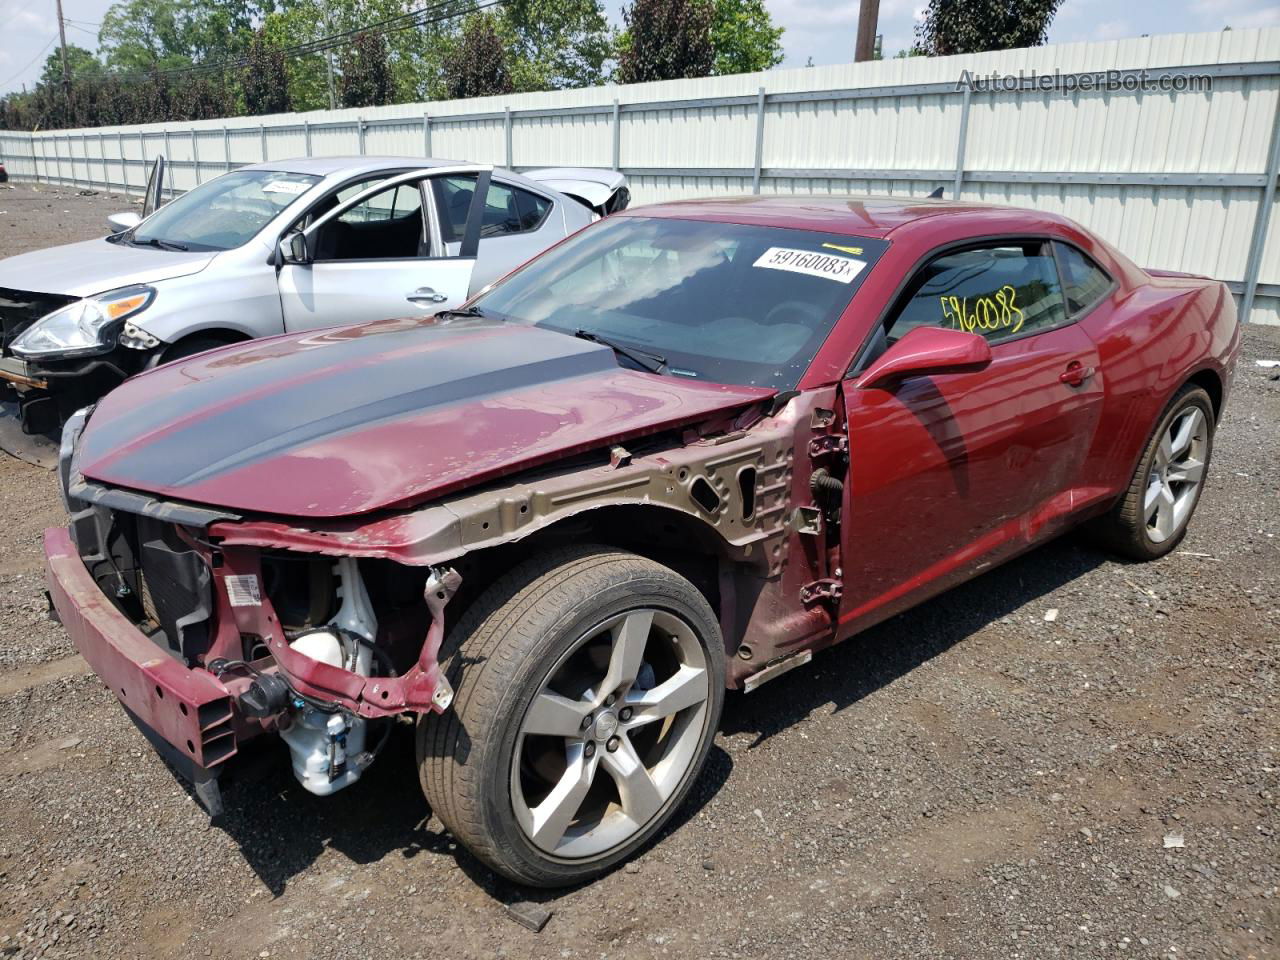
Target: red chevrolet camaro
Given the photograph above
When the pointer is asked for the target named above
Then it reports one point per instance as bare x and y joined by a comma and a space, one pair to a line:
678, 452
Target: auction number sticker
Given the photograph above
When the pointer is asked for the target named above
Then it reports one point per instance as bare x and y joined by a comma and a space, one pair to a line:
242, 590
292, 187
825, 265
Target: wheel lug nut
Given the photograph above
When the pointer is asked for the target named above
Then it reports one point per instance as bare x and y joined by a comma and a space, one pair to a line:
589, 750
609, 700
624, 714
612, 745
586, 721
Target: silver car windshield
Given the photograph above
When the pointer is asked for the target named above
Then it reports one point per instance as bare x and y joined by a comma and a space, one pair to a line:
223, 213
725, 302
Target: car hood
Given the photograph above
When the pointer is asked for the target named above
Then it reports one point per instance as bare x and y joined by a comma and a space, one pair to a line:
354, 419
94, 266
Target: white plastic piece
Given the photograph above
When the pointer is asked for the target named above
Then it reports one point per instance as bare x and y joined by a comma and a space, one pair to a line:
322, 645
320, 742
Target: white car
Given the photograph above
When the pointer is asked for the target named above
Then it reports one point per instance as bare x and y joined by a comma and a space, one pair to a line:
272, 248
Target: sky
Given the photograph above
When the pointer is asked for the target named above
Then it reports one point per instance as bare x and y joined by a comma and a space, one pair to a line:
823, 30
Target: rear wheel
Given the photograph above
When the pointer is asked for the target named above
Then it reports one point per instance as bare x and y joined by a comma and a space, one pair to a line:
1151, 519
589, 684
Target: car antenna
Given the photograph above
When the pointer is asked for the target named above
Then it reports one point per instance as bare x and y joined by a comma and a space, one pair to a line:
936, 195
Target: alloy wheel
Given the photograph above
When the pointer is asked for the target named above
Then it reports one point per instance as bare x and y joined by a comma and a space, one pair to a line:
611, 734
1176, 474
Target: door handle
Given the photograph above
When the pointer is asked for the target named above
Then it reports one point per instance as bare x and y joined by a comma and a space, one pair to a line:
426, 295
1076, 373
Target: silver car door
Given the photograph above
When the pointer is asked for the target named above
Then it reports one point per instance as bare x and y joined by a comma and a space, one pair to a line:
372, 258
516, 225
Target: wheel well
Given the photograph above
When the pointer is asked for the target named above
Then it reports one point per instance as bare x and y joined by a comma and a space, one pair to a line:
685, 544
1211, 383
219, 334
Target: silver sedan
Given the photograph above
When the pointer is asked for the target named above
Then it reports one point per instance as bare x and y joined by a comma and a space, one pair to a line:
272, 248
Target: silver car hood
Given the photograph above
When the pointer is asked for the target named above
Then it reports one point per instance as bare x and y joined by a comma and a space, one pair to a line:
93, 266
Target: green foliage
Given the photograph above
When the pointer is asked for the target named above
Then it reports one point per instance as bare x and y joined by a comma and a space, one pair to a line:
666, 40
366, 72
744, 37
81, 64
974, 26
265, 80
141, 35
477, 66
556, 44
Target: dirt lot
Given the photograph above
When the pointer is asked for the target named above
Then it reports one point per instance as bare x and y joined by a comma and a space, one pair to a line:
968, 781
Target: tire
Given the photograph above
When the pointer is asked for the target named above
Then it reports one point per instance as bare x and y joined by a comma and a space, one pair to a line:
584, 618
1131, 529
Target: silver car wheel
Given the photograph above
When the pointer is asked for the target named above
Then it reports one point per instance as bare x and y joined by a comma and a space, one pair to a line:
1176, 474
610, 734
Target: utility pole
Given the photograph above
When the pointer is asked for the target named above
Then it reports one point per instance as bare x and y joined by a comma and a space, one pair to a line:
868, 15
66, 76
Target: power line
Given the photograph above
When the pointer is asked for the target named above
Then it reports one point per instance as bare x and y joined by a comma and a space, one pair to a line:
52, 41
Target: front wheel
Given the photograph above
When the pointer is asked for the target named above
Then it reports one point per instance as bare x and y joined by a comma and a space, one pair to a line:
1151, 519
589, 684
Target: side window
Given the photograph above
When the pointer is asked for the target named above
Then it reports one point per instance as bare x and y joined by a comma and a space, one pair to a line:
1083, 282
1001, 291
507, 209
386, 226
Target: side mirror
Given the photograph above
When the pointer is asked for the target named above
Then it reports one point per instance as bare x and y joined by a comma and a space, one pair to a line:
120, 222
295, 248
926, 350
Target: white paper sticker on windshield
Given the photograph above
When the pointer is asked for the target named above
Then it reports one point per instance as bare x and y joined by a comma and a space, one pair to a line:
286, 186
829, 266
242, 590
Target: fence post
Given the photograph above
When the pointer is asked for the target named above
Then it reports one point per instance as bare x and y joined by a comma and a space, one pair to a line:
124, 167
306, 135
226, 148
506, 132
142, 153
262, 140
426, 134
759, 164
617, 135
168, 159
961, 140
106, 172
360, 133
1261, 222
35, 167
195, 155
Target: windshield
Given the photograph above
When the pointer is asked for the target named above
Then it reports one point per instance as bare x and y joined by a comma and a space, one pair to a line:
717, 301
222, 213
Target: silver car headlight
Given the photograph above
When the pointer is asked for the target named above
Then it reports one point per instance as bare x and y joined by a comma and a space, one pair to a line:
82, 328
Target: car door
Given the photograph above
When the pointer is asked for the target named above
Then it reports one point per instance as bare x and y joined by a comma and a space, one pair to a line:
377, 255
949, 473
516, 223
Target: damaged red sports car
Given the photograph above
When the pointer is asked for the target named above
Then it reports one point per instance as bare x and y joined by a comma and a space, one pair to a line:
678, 452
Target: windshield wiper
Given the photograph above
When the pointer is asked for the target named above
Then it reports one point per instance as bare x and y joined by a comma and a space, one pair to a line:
647, 361
159, 244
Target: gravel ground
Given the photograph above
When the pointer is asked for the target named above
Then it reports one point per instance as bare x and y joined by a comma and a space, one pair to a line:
969, 780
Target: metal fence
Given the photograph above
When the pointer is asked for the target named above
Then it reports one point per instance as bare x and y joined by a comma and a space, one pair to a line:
1181, 179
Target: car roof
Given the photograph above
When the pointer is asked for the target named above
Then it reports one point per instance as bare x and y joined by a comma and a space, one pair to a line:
328, 166
861, 216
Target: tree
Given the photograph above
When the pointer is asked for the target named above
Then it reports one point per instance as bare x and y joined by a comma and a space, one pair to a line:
265, 79
666, 40
141, 35
555, 44
366, 72
478, 66
81, 64
974, 26
744, 37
